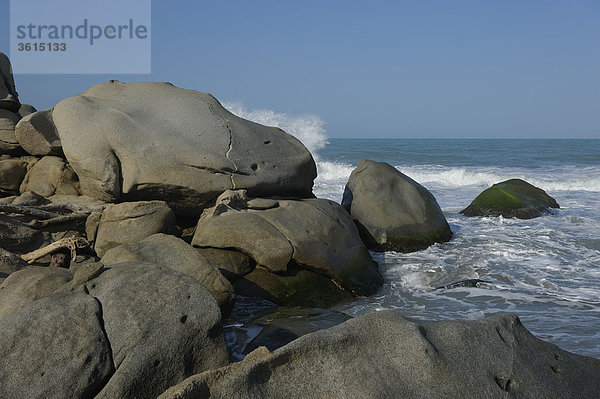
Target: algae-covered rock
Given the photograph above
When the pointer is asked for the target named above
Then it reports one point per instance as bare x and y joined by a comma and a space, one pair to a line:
393, 212
513, 198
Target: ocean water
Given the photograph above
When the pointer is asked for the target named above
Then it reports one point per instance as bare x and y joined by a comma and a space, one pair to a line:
545, 270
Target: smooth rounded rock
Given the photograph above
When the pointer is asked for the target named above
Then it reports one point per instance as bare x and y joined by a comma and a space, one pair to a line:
153, 140
392, 211
513, 198
37, 134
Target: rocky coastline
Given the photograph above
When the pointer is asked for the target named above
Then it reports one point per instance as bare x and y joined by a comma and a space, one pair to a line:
133, 214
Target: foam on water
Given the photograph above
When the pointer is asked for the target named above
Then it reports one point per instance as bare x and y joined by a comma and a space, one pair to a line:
546, 270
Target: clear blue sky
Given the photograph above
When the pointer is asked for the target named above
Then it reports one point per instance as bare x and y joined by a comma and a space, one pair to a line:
485, 69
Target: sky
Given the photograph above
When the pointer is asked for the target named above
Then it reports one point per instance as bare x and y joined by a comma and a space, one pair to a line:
399, 69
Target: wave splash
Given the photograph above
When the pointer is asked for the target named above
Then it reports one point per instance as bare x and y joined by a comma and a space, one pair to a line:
306, 128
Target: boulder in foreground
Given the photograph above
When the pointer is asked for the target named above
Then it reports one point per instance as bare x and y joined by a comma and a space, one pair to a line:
153, 140
392, 211
513, 198
384, 355
307, 252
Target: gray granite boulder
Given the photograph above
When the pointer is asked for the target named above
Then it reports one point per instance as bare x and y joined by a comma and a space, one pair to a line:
153, 140
50, 176
8, 140
9, 99
176, 254
55, 348
392, 211
26, 286
308, 252
128, 222
514, 198
12, 173
384, 355
163, 326
37, 134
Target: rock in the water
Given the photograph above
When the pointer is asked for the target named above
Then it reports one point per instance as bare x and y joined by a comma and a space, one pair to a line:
284, 324
28, 285
9, 263
49, 176
174, 253
513, 198
163, 326
128, 222
37, 134
26, 109
384, 355
308, 252
8, 141
156, 141
9, 99
55, 348
12, 173
392, 211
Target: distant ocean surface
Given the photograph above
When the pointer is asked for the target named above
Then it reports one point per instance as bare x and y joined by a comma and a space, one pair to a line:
545, 270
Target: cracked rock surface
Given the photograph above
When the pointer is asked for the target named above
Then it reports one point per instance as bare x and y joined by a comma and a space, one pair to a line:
130, 331
383, 355
153, 140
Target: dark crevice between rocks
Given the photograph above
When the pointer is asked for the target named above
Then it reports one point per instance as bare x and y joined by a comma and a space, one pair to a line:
224, 171
119, 172
97, 389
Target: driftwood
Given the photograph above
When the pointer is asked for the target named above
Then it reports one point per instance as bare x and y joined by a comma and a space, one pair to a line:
50, 215
70, 243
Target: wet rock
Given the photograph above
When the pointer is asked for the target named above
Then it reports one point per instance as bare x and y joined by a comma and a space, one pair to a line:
513, 198
392, 211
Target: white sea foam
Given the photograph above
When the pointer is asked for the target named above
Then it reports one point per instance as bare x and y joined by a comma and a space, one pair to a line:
306, 128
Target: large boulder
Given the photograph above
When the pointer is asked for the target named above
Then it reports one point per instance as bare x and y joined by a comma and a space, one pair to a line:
8, 141
128, 222
49, 176
176, 254
308, 252
513, 198
384, 355
37, 134
12, 173
55, 348
9, 99
392, 211
26, 286
153, 140
163, 326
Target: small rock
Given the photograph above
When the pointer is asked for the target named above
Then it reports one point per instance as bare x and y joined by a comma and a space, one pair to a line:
37, 134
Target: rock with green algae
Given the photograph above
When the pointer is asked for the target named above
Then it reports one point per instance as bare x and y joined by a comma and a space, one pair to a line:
392, 211
513, 198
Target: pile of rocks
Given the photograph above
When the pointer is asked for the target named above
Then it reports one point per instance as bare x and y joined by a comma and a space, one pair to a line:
183, 206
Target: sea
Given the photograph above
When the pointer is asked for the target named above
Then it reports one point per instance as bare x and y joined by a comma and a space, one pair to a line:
545, 270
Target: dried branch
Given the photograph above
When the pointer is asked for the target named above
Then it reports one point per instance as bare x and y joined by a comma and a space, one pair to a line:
70, 243
61, 219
